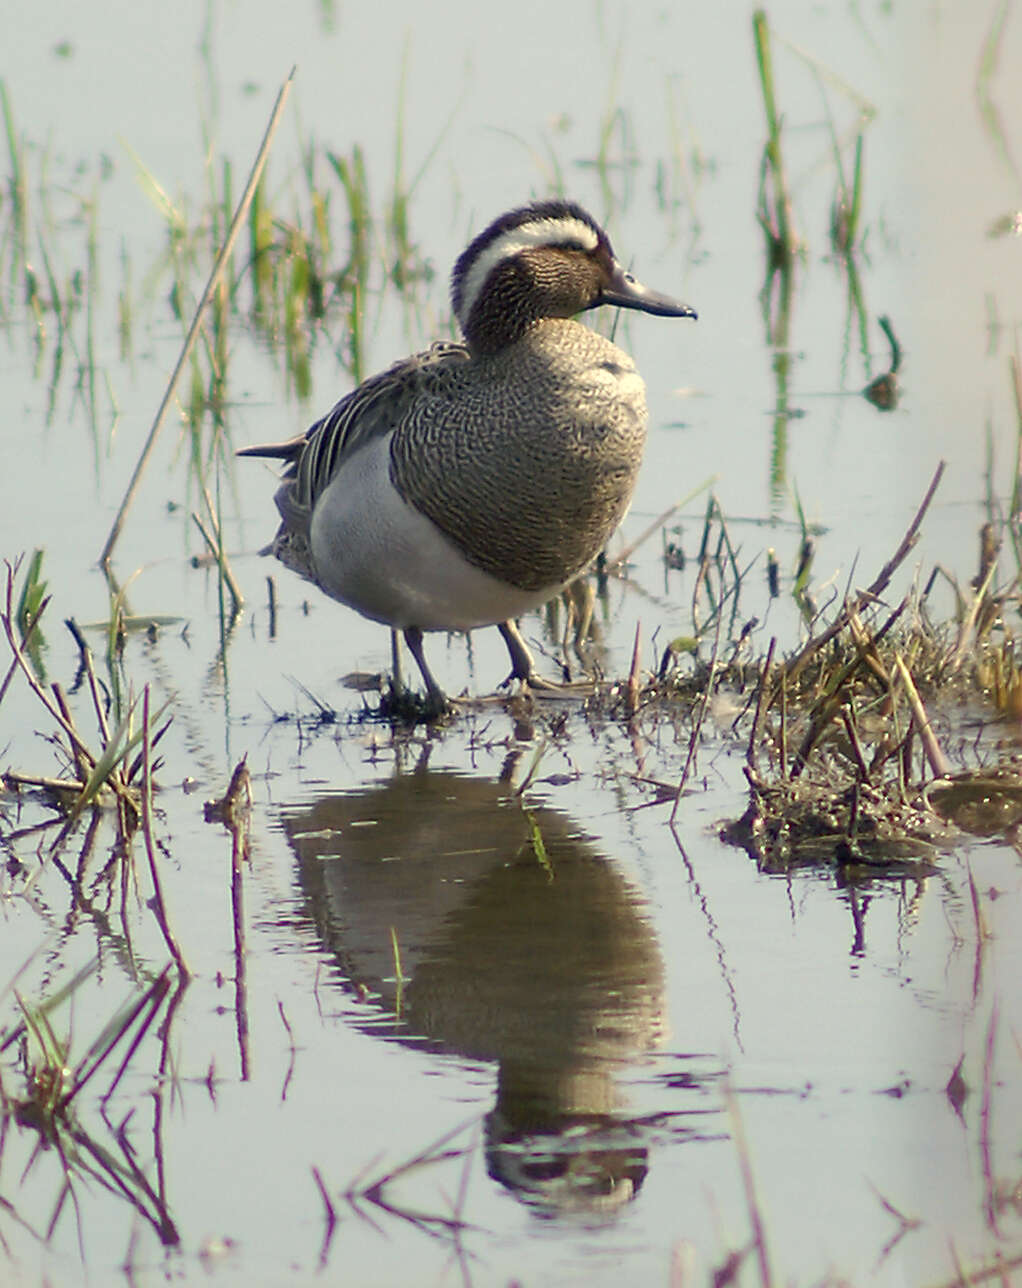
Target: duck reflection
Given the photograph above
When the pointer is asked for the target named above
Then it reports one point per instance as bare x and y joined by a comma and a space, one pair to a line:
517, 942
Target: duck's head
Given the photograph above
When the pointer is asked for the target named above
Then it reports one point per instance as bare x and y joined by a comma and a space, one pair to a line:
546, 260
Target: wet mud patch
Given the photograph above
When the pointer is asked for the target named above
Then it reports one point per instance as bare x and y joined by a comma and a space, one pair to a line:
794, 822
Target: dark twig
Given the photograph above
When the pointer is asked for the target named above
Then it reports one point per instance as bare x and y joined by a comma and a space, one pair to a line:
985, 1134
331, 1217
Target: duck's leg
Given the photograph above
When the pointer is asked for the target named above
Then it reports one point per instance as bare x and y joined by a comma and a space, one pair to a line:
413, 638
521, 658
523, 671
396, 668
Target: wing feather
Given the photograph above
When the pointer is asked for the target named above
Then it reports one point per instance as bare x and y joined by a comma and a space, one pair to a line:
373, 409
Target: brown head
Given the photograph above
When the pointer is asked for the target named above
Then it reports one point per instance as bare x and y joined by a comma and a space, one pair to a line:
547, 260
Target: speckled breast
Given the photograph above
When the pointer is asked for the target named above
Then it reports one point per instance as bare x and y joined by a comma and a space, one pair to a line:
528, 460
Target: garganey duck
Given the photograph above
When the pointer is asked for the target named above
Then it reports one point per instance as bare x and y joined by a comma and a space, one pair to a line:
469, 483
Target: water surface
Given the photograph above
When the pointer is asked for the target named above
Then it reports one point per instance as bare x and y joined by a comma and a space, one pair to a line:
576, 1022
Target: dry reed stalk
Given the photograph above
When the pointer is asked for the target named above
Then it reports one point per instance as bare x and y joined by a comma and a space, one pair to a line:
958, 653
26, 640
42, 781
212, 540
193, 331
762, 705
927, 737
878, 585
749, 1186
852, 731
632, 686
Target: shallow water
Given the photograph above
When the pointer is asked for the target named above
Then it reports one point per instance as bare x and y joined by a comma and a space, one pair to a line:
583, 1021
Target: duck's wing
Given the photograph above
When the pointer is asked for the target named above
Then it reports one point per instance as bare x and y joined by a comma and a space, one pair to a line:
313, 458
370, 411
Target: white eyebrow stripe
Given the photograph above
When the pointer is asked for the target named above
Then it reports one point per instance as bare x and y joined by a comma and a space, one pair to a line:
537, 232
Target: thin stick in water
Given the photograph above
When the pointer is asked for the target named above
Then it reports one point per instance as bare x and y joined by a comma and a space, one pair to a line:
159, 907
927, 737
193, 331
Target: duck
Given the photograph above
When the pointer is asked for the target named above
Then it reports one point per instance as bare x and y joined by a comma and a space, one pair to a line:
471, 482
